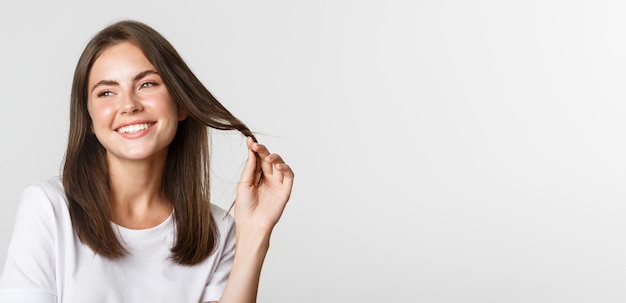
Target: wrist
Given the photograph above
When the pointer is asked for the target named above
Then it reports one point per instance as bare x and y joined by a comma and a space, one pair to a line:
252, 241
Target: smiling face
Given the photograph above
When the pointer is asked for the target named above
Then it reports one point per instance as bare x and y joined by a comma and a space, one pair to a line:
133, 114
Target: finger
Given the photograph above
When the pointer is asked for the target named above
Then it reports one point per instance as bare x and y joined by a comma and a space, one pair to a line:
258, 173
263, 153
275, 160
248, 174
287, 173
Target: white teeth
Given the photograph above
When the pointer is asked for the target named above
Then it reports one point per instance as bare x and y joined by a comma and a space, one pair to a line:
129, 129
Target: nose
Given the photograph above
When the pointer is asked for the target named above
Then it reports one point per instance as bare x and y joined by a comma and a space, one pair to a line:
130, 104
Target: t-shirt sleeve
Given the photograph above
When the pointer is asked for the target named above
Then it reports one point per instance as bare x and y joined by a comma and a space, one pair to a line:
217, 283
30, 265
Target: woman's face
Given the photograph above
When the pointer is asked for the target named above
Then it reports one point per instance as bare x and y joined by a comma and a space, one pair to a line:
133, 114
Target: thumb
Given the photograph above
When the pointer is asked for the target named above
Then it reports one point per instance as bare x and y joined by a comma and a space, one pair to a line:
247, 175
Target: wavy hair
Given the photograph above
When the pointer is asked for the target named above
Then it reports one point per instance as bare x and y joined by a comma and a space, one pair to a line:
186, 175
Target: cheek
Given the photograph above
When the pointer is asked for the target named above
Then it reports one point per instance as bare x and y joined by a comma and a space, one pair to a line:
101, 122
100, 115
169, 108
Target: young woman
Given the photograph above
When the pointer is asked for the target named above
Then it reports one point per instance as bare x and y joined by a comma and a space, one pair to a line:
130, 219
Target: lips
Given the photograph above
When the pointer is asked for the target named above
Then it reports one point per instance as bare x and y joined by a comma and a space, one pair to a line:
134, 128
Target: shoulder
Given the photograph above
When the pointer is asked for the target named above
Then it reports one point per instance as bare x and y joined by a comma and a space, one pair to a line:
40, 212
52, 186
51, 189
43, 199
40, 224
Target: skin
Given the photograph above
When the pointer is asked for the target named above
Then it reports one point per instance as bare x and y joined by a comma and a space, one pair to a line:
125, 88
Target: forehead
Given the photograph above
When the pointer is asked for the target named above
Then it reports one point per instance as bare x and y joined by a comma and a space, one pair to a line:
118, 62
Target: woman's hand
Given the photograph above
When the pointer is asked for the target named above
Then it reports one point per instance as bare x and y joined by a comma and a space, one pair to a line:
262, 194
263, 190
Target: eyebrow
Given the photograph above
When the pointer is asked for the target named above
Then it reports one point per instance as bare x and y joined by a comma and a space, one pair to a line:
113, 82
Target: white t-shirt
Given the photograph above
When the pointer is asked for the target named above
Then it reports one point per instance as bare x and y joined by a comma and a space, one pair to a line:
46, 262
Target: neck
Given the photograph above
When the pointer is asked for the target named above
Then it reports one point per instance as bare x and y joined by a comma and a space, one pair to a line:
137, 200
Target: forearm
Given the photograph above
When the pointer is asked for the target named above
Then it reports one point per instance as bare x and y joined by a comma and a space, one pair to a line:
243, 282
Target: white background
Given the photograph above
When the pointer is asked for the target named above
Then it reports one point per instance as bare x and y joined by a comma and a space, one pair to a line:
445, 151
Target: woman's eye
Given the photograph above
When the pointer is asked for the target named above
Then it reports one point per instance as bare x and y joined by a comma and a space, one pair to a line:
148, 84
105, 94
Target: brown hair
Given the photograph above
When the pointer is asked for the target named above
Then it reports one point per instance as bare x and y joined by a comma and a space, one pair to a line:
186, 175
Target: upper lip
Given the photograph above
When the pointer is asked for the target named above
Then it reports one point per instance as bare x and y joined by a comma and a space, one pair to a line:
133, 123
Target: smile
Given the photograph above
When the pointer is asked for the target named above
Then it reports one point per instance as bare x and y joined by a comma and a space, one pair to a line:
130, 129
